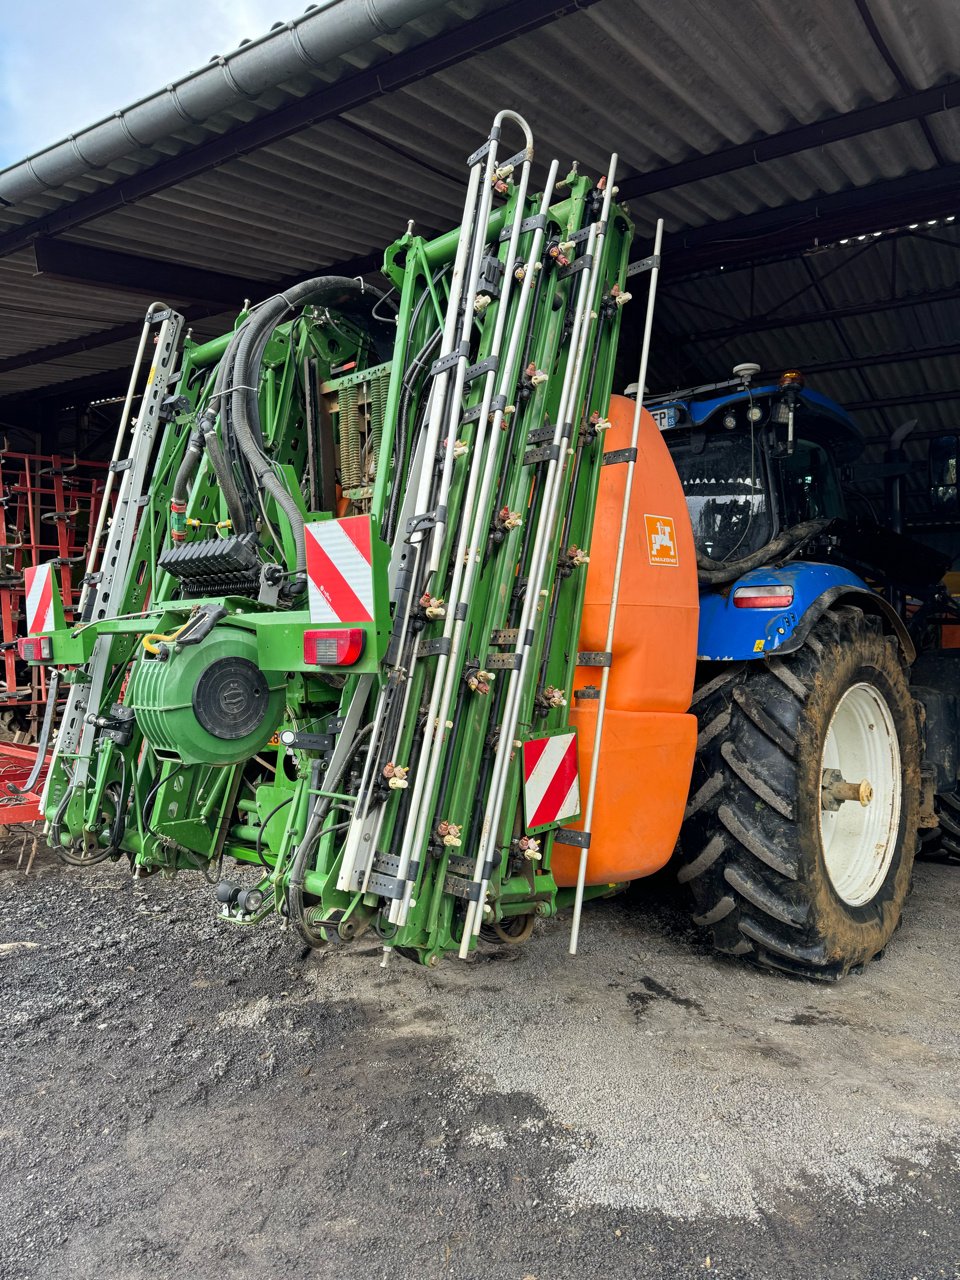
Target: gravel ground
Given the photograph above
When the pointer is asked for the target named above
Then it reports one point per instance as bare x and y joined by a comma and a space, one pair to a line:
186, 1099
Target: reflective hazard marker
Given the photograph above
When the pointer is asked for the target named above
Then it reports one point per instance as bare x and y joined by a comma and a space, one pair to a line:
339, 570
39, 584
551, 780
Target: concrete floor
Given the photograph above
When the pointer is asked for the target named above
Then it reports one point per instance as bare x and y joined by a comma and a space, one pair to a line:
183, 1099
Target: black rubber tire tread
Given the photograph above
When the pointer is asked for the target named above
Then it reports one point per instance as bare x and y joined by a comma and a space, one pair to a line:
942, 844
750, 845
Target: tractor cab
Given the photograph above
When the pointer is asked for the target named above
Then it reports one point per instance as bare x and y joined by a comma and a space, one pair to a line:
756, 461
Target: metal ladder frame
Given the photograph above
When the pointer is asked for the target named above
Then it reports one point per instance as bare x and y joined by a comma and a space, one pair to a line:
99, 600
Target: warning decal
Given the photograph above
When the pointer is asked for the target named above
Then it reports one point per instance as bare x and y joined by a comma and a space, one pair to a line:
39, 584
661, 540
339, 570
551, 780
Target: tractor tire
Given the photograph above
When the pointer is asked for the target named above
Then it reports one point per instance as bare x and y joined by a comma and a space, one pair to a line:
776, 877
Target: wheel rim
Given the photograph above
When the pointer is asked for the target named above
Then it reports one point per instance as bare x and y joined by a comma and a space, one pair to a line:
859, 840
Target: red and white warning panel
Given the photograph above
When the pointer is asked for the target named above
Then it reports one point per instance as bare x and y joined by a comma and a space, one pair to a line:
39, 583
340, 570
551, 780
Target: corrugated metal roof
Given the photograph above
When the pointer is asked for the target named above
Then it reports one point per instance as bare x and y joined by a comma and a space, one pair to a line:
657, 83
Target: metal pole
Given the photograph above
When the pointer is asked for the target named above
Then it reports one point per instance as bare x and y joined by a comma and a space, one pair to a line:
469, 556
591, 278
615, 594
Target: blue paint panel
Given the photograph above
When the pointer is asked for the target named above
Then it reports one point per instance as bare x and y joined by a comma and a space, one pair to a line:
847, 443
731, 634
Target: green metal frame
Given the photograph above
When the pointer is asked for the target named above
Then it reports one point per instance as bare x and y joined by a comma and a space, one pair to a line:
192, 817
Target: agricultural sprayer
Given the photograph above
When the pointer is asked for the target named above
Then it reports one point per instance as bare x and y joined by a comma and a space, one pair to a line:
398, 606
351, 622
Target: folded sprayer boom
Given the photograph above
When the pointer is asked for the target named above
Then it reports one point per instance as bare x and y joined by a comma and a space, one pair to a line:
333, 624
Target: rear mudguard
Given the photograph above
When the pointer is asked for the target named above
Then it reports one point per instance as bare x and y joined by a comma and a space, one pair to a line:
729, 634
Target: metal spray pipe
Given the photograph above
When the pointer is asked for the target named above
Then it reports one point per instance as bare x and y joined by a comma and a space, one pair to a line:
585, 306
615, 593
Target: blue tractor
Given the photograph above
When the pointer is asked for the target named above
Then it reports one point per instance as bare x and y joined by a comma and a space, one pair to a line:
810, 785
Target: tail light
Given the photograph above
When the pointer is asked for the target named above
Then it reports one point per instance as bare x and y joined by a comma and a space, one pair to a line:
35, 648
775, 596
340, 648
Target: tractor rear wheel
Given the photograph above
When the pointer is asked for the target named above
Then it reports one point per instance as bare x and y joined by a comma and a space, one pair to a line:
801, 827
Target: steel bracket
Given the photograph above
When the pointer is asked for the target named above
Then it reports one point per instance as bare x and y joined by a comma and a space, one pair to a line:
432, 648
537, 222
546, 453
311, 741
566, 835
457, 887
594, 658
481, 367
614, 456
482, 151
645, 264
503, 662
442, 363
581, 264
584, 232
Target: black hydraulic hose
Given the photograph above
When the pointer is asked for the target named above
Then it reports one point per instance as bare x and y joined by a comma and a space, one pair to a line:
298, 869
151, 794
411, 373
409, 383
716, 572
572, 496
486, 766
235, 461
250, 345
448, 760
241, 508
263, 826
534, 497
187, 469
45, 729
228, 488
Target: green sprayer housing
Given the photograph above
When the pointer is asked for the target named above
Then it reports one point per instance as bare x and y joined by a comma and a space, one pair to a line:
339, 593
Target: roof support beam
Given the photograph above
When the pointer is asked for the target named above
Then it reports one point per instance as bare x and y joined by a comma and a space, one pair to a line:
794, 229
486, 32
193, 315
915, 397
73, 346
764, 324
884, 357
90, 386
881, 115
67, 260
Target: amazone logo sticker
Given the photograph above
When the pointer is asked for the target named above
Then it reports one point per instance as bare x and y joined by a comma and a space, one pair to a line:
661, 540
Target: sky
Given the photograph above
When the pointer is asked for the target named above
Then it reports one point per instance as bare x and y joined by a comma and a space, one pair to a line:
66, 63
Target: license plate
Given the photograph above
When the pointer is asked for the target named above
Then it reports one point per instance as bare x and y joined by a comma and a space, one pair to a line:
664, 418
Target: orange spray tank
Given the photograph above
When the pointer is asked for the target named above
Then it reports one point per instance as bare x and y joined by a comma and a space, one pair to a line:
649, 737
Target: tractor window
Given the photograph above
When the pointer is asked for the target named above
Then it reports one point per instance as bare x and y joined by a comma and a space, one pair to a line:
810, 489
725, 484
